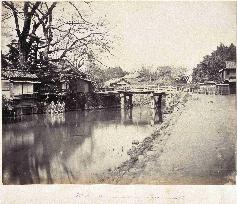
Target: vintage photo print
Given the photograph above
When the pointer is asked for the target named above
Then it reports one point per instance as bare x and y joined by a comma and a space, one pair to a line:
118, 92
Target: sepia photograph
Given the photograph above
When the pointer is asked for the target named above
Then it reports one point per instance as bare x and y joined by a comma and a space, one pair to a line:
118, 92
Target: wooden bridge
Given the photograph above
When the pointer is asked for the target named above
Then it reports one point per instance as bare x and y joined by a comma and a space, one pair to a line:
127, 95
155, 98
156, 92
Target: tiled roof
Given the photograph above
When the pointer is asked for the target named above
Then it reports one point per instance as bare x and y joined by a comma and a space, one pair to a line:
13, 74
114, 81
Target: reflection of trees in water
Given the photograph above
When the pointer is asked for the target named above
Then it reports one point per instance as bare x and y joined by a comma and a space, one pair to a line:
39, 148
52, 139
17, 161
18, 171
156, 116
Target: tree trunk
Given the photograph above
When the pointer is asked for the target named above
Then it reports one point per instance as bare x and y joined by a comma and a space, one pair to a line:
22, 55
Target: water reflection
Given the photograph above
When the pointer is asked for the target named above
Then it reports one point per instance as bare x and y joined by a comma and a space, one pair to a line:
156, 116
71, 147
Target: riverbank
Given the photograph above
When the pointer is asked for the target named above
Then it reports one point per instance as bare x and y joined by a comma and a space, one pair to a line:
194, 145
13, 108
141, 153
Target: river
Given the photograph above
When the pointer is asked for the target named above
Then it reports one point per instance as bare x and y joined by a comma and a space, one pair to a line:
72, 147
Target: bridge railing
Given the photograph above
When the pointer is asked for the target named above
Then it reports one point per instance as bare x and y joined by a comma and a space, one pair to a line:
141, 88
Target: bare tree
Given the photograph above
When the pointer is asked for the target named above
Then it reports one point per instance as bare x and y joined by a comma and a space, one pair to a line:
37, 23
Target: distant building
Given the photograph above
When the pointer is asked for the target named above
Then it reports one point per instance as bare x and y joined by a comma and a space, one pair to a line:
117, 83
127, 82
222, 89
228, 76
193, 87
207, 87
136, 82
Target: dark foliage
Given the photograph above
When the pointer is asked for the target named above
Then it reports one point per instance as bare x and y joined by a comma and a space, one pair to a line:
209, 68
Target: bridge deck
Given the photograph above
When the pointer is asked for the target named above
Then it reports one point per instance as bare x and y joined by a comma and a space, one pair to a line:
131, 92
143, 92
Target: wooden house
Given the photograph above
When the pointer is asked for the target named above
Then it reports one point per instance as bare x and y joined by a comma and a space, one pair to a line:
19, 86
222, 89
228, 76
210, 87
207, 87
75, 81
65, 79
129, 81
117, 83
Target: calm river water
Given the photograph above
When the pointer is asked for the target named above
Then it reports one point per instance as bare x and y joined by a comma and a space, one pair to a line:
72, 147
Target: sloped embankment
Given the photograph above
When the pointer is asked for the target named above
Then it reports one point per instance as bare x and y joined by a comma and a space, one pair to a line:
143, 152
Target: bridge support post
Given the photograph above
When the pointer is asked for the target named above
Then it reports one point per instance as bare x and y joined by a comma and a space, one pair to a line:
155, 101
122, 115
167, 100
152, 101
159, 101
130, 105
156, 116
126, 100
123, 100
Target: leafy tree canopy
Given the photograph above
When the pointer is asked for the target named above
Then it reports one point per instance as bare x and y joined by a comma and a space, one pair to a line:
208, 68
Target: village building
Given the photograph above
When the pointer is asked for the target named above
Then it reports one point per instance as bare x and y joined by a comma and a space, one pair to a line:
228, 76
116, 84
19, 86
76, 85
181, 83
192, 88
68, 79
222, 89
75, 81
127, 82
207, 87
135, 81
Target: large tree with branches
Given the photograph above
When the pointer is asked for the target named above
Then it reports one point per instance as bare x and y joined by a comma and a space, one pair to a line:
53, 34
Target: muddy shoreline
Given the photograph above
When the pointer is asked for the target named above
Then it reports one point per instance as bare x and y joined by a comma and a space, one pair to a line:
149, 149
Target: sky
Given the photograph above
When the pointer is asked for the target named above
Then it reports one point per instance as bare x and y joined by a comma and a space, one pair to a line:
164, 33
169, 33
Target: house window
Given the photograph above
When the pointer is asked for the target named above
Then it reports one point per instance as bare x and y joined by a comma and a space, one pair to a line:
5, 85
27, 88
17, 89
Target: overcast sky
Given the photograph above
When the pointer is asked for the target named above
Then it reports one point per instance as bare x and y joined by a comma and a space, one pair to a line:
169, 33
165, 33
